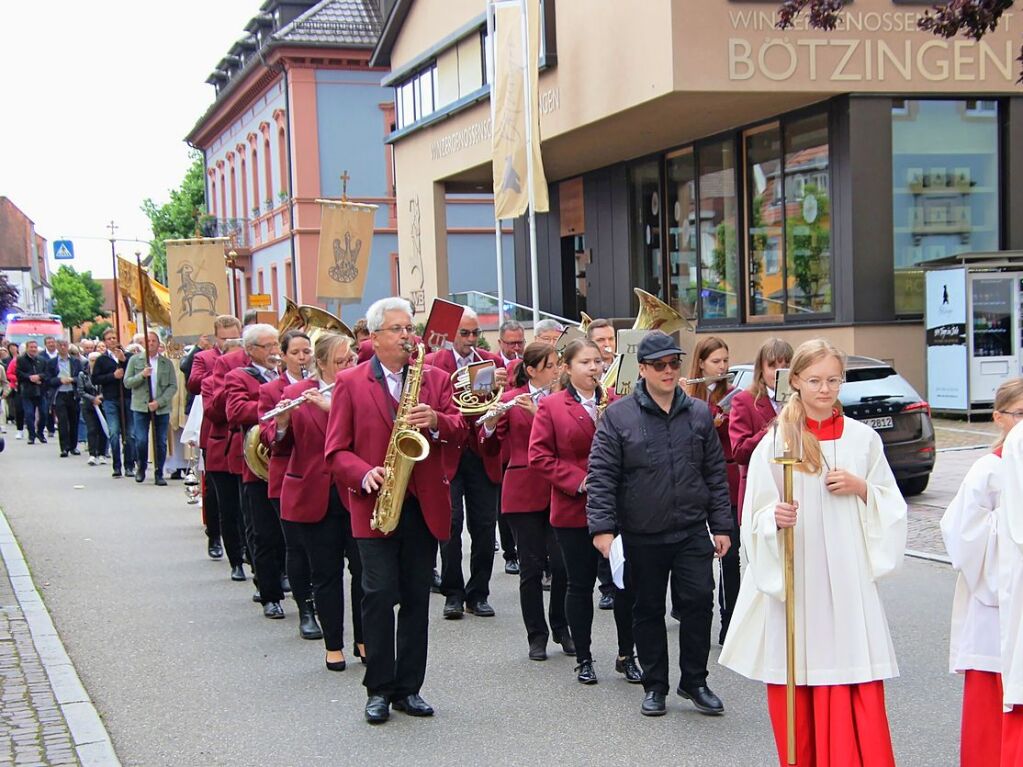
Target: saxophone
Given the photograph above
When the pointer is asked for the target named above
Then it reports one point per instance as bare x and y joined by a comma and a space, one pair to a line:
406, 447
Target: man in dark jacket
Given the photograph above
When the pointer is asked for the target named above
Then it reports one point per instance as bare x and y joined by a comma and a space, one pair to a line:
657, 477
31, 372
62, 380
108, 375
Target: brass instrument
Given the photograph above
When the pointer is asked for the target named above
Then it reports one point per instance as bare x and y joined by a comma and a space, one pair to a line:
269, 415
257, 455
503, 407
584, 321
471, 402
406, 447
604, 400
653, 314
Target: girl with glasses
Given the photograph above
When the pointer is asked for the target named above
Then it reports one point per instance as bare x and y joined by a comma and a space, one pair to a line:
849, 522
559, 451
969, 528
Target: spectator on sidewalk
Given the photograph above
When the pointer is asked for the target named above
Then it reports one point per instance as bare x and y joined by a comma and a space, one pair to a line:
108, 375
31, 372
61, 376
92, 411
150, 377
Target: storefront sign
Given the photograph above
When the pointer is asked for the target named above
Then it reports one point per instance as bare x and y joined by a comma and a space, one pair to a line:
945, 321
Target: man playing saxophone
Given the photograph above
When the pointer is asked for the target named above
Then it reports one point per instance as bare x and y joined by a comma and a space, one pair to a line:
397, 567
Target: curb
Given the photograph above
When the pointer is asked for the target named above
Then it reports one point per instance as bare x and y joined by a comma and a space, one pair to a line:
89, 734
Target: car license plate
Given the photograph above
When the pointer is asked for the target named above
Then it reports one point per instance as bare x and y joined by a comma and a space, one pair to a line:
879, 424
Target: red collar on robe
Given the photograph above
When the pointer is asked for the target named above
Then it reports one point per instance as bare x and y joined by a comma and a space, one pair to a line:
829, 428
998, 451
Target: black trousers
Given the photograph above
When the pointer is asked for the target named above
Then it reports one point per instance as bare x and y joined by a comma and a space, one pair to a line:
474, 498
97, 438
210, 508
48, 415
581, 560
728, 588
607, 584
248, 531
226, 487
534, 538
688, 565
327, 543
398, 570
66, 407
267, 547
504, 532
296, 560
15, 409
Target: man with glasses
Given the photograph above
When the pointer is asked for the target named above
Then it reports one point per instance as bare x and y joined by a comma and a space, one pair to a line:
657, 477
475, 479
511, 337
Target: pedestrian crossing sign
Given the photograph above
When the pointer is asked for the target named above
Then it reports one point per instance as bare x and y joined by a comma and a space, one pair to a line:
63, 250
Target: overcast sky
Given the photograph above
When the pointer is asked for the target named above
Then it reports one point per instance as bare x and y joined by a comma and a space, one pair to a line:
97, 99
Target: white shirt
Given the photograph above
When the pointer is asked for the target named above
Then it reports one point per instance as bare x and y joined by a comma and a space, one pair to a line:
291, 379
394, 384
770, 398
266, 374
590, 405
462, 362
152, 378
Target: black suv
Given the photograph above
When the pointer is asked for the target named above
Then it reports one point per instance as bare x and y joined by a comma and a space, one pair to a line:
876, 395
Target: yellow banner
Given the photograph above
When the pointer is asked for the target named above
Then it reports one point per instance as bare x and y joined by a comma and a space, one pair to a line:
157, 297
197, 280
346, 237
511, 193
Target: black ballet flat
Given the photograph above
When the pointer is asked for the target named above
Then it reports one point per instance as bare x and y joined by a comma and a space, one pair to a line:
359, 655
340, 665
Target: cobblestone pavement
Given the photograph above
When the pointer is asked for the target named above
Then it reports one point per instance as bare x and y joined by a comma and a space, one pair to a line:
32, 728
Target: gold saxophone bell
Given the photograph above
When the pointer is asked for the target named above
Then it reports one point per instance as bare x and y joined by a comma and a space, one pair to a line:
653, 314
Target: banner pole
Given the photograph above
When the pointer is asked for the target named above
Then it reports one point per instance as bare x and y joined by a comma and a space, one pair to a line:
526, 63
493, 122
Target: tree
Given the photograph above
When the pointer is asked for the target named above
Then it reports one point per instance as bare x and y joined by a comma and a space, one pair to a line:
970, 18
98, 329
8, 296
71, 299
95, 290
176, 219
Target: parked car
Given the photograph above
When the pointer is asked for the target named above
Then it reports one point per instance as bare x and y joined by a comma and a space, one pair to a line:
874, 394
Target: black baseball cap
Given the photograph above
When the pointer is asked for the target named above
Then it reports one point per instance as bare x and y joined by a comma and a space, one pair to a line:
657, 344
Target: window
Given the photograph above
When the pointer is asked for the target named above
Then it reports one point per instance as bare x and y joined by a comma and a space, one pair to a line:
718, 242
945, 188
682, 222
765, 225
213, 197
269, 173
255, 183
274, 294
234, 198
416, 97
282, 150
645, 226
245, 183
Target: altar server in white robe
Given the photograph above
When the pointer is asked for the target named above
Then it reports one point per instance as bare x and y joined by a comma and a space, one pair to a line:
850, 530
1010, 594
970, 530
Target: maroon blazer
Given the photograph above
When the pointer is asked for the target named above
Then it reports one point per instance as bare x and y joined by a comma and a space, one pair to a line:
559, 451
359, 430
202, 367
747, 425
305, 494
241, 406
731, 466
270, 394
524, 488
225, 440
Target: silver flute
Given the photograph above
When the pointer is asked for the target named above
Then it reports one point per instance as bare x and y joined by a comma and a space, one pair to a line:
503, 407
297, 402
711, 379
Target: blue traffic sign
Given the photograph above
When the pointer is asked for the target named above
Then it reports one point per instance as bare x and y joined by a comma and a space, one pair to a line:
63, 250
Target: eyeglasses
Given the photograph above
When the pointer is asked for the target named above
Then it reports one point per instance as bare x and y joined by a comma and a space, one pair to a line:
465, 333
659, 365
399, 329
818, 384
513, 343
270, 345
1017, 415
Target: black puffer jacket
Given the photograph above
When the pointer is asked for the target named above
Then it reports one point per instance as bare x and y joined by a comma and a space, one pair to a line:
657, 477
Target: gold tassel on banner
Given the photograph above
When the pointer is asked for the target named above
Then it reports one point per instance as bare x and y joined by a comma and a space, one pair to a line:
346, 238
197, 280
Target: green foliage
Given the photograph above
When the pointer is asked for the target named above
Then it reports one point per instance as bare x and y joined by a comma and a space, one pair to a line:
176, 219
96, 291
8, 296
72, 300
98, 329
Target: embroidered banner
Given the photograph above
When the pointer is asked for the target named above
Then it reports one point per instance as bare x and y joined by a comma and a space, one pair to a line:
346, 237
197, 280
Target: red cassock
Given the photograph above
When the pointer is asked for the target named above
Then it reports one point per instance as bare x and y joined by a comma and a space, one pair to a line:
305, 494
445, 360
270, 394
359, 430
747, 424
1012, 738
559, 451
726, 445
980, 743
225, 442
524, 489
202, 368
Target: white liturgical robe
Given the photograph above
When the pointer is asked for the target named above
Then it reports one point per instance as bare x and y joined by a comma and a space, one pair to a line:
842, 546
1010, 568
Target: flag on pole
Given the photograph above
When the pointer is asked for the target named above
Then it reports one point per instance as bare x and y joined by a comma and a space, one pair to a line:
157, 297
197, 279
511, 193
346, 238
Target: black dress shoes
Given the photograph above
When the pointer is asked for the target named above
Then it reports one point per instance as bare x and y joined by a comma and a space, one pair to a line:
480, 609
257, 597
607, 602
273, 610
63, 453
630, 669
215, 550
585, 673
453, 609
76, 451
160, 481
676, 614
285, 584
538, 648
653, 704
378, 710
567, 645
412, 705
511, 567
435, 585
705, 701
140, 476
308, 627
238, 573
116, 474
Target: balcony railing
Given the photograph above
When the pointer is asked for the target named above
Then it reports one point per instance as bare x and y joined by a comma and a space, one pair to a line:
228, 227
485, 305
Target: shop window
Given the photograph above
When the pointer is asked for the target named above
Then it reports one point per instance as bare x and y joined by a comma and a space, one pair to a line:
645, 226
718, 240
682, 218
945, 188
765, 225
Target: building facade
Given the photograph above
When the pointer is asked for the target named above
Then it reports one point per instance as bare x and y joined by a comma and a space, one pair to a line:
23, 259
762, 182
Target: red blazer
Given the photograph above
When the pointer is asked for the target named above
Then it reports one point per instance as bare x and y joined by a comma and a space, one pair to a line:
269, 395
559, 451
241, 406
444, 359
524, 488
225, 442
359, 430
305, 494
726, 446
202, 367
747, 425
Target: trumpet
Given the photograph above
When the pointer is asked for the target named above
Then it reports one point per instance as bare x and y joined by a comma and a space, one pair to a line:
503, 407
729, 376
269, 415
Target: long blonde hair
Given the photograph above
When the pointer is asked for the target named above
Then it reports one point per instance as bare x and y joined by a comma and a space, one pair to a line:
808, 353
1010, 391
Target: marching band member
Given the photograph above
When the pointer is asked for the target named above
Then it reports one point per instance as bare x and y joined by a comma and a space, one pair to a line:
602, 333
849, 520
397, 568
297, 353
549, 331
511, 340
474, 487
526, 500
313, 510
710, 360
559, 451
969, 528
1010, 593
241, 403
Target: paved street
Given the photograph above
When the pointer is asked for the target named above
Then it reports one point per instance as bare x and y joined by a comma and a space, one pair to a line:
185, 670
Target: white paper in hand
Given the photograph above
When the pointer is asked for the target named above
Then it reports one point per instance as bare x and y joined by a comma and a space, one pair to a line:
617, 559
